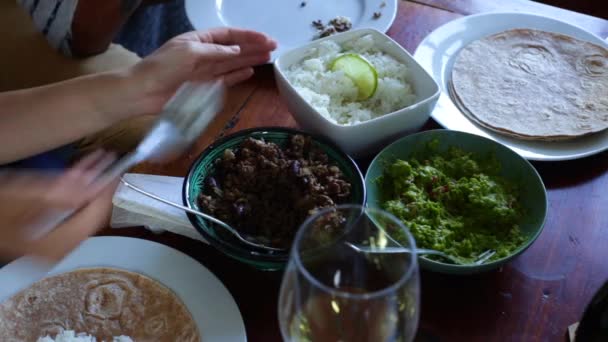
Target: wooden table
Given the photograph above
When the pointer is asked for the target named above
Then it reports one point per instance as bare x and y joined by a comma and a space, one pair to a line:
534, 298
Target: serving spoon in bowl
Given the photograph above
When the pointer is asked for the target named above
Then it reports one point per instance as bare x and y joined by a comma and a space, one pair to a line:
481, 258
220, 223
392, 246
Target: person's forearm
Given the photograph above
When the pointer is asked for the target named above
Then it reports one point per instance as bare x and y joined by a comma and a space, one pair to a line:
40, 119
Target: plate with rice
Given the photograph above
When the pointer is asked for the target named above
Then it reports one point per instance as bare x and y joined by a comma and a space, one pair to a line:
141, 291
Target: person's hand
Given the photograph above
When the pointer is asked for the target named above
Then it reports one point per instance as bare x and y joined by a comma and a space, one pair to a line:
228, 54
29, 198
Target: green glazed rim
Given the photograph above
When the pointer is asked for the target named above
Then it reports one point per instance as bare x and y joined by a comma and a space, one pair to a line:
203, 166
532, 223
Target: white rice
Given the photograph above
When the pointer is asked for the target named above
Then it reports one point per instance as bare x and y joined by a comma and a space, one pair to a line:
71, 336
334, 94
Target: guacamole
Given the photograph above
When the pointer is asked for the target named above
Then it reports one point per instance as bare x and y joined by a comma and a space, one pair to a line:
454, 203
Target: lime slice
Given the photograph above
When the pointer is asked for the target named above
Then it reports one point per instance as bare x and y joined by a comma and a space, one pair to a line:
358, 69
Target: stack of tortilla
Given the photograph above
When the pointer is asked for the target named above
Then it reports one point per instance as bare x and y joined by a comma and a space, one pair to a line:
533, 85
102, 302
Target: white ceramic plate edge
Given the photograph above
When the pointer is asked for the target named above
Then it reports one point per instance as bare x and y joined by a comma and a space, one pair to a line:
539, 151
382, 24
210, 303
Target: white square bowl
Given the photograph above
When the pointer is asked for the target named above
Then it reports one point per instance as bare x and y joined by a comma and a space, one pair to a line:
365, 138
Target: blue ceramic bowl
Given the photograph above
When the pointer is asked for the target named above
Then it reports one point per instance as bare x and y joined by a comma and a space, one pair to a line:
204, 166
533, 196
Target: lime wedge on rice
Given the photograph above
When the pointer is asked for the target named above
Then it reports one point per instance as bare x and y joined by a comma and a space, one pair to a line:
358, 69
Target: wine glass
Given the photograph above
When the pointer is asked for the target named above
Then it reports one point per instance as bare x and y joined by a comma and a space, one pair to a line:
334, 292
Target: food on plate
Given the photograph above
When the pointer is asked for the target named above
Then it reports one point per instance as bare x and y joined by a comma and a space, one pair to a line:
341, 23
266, 191
336, 95
533, 85
378, 14
71, 336
455, 203
102, 302
318, 24
335, 25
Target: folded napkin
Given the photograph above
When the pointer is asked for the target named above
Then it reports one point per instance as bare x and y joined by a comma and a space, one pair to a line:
134, 209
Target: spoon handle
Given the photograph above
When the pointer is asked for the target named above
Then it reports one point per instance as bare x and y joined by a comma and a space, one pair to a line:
397, 250
196, 212
173, 204
380, 250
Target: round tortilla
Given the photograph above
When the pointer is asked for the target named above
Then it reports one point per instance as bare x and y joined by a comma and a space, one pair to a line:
533, 85
102, 302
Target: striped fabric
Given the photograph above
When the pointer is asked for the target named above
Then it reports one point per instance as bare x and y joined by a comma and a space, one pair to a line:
54, 19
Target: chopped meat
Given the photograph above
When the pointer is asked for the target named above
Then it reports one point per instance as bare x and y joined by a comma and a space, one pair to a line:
326, 32
337, 24
267, 191
341, 23
318, 24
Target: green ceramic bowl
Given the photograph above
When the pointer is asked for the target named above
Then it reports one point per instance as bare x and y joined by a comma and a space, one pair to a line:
513, 167
204, 166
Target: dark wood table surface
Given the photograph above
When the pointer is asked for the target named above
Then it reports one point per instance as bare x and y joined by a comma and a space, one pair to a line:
535, 298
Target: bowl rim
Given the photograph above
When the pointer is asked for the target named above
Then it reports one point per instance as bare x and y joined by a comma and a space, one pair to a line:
434, 265
241, 253
280, 70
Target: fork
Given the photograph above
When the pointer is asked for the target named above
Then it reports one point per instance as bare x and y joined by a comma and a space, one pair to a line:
396, 247
223, 224
183, 118
481, 258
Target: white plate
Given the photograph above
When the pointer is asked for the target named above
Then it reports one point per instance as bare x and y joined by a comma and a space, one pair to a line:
285, 20
438, 50
211, 305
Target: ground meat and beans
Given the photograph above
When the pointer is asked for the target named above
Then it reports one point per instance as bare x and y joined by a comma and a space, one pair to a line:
266, 191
